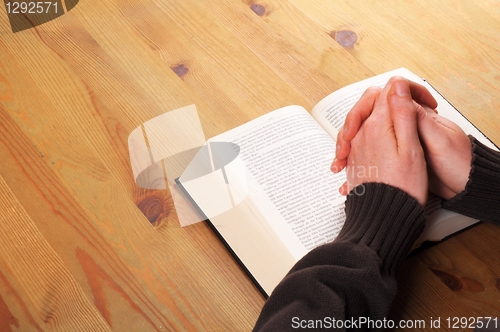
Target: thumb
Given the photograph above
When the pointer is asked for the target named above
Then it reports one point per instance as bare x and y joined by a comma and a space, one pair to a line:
403, 113
436, 132
429, 130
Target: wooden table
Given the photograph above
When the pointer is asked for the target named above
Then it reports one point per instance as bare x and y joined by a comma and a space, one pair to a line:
82, 247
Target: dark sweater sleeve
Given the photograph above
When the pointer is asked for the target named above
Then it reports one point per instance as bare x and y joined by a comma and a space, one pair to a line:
352, 277
481, 196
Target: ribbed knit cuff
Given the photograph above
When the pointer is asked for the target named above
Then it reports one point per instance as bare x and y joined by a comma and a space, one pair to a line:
384, 218
481, 196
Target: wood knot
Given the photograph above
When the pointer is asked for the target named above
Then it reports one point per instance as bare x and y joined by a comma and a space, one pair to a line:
346, 38
448, 279
456, 283
258, 9
180, 70
156, 206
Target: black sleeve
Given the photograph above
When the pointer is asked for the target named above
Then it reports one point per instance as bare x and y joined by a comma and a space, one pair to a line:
352, 279
481, 196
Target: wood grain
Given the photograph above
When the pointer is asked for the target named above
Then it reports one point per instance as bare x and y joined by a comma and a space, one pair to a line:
38, 291
83, 247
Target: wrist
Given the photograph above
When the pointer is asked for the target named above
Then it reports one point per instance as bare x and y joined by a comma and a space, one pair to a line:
464, 166
384, 218
480, 197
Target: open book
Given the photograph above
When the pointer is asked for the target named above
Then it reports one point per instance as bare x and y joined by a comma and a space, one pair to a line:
291, 202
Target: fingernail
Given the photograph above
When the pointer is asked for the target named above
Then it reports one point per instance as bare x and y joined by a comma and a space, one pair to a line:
402, 89
337, 149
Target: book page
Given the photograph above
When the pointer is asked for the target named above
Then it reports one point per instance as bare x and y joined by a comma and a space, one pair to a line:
288, 157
